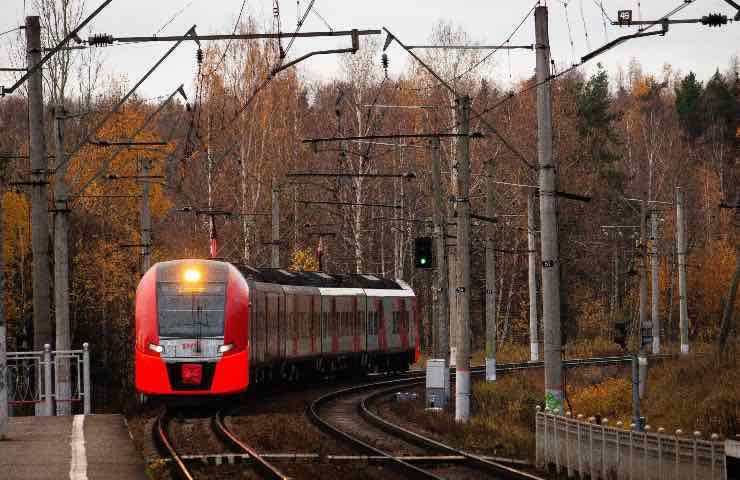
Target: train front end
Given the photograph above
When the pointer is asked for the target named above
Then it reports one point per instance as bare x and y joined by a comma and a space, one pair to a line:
192, 330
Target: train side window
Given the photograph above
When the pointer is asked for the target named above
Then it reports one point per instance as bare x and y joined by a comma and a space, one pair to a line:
395, 326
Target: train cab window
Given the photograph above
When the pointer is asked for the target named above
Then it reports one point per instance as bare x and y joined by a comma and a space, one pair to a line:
186, 313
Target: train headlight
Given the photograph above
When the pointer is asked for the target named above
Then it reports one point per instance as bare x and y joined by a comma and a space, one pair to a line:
156, 348
225, 348
192, 275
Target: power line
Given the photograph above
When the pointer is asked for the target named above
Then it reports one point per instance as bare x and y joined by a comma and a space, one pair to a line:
12, 30
584, 59
172, 19
484, 59
228, 43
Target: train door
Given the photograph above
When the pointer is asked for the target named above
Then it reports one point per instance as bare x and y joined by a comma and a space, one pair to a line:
414, 341
344, 339
274, 312
373, 324
289, 323
326, 319
403, 320
259, 329
383, 332
390, 309
315, 324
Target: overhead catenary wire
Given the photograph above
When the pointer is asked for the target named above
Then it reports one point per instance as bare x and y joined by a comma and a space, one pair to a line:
534, 85
570, 33
228, 43
11, 30
172, 19
493, 52
585, 25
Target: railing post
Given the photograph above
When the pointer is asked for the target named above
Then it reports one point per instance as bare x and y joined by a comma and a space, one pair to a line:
697, 434
568, 463
660, 452
632, 451
580, 457
645, 452
603, 450
714, 438
537, 439
591, 447
86, 376
617, 458
555, 438
48, 367
678, 446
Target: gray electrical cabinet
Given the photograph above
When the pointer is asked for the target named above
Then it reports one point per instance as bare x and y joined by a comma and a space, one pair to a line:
438, 383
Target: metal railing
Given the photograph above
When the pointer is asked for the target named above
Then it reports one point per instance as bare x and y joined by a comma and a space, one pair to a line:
598, 451
31, 379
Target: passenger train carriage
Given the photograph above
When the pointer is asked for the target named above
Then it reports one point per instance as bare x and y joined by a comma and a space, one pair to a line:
205, 327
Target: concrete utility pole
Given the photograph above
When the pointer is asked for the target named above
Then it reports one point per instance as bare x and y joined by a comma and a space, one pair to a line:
440, 229
39, 193
145, 220
462, 360
490, 276
3, 355
654, 280
453, 301
534, 344
61, 265
276, 226
548, 220
681, 249
615, 288
643, 273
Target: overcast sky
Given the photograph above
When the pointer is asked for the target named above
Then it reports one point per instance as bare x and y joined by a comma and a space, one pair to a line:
686, 47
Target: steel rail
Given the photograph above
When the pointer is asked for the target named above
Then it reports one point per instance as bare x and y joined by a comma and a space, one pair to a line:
473, 461
404, 468
163, 440
267, 469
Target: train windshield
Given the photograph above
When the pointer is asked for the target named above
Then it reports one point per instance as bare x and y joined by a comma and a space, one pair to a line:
187, 312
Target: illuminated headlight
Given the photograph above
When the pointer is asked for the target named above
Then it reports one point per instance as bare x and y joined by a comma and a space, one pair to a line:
225, 348
192, 275
156, 348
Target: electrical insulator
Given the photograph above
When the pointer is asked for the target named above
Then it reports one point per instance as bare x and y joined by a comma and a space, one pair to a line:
100, 39
714, 20
199, 56
384, 62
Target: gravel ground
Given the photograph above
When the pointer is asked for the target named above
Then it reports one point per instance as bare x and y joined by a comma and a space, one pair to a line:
269, 421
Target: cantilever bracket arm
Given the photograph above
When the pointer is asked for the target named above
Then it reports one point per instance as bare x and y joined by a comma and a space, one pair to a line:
620, 40
352, 50
390, 38
60, 45
736, 6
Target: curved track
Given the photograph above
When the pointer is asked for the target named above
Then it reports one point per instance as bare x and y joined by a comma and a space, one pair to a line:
181, 470
346, 414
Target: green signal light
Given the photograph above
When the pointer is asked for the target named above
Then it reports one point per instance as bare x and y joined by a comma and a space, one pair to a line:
423, 261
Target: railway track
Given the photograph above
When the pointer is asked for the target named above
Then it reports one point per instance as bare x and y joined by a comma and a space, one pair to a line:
346, 414
181, 469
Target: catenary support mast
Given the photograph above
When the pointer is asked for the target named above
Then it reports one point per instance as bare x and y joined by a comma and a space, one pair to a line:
462, 361
534, 345
548, 219
39, 194
490, 274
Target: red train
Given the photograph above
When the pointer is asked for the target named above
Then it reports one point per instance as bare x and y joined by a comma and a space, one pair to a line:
206, 327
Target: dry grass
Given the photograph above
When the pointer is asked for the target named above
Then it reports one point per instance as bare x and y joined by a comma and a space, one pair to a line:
701, 392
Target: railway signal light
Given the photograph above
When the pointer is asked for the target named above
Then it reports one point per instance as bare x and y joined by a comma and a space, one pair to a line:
423, 252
